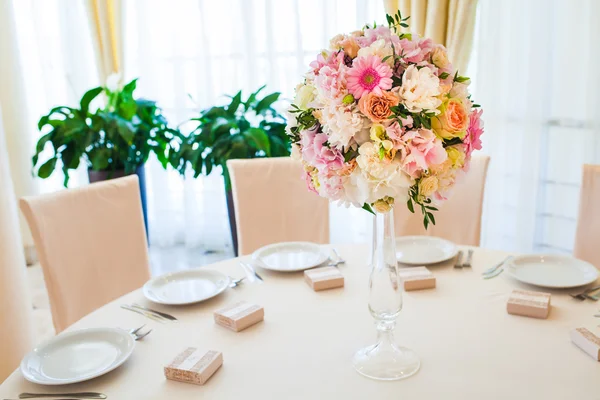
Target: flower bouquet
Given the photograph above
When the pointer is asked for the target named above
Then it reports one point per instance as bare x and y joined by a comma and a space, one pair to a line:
382, 118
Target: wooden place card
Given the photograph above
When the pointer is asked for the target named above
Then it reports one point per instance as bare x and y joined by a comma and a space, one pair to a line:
416, 278
239, 316
324, 278
194, 366
529, 304
586, 341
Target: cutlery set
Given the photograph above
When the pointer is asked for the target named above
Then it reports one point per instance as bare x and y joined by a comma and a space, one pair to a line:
587, 294
495, 270
459, 257
63, 396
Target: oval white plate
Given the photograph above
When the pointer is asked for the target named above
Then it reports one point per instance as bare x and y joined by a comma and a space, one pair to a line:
77, 356
552, 270
186, 287
290, 256
422, 250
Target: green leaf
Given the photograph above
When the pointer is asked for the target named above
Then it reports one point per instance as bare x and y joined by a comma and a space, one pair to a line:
260, 139
252, 97
126, 130
47, 168
88, 97
350, 155
425, 221
431, 217
266, 102
381, 153
42, 142
368, 208
235, 104
410, 206
444, 75
100, 159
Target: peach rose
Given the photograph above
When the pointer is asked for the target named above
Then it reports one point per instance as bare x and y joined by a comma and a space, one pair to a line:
350, 47
377, 108
453, 120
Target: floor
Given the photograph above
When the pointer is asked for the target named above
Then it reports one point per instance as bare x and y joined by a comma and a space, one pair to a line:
162, 260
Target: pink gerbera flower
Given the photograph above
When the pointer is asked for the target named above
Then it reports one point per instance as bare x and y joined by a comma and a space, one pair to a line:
369, 74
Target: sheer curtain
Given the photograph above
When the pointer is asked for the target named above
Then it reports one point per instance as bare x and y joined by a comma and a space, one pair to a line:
535, 71
189, 54
57, 61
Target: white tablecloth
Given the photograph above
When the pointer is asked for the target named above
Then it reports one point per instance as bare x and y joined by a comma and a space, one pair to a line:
470, 348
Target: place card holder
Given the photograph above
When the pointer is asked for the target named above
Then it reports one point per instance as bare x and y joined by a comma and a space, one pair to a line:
324, 278
239, 316
416, 278
586, 341
194, 366
529, 304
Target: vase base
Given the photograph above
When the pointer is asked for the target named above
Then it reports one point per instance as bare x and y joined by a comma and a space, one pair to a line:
386, 363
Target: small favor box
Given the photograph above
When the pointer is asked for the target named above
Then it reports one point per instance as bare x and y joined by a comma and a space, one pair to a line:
324, 278
194, 366
529, 304
586, 341
239, 316
416, 278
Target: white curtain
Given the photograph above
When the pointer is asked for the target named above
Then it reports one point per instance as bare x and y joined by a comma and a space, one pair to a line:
57, 65
535, 71
189, 54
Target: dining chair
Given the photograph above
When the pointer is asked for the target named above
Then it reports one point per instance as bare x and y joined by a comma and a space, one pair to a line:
91, 243
588, 222
459, 217
16, 308
272, 204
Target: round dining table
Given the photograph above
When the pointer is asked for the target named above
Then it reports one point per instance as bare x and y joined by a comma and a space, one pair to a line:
470, 347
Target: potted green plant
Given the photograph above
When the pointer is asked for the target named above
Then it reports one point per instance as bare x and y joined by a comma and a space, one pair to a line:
249, 128
113, 141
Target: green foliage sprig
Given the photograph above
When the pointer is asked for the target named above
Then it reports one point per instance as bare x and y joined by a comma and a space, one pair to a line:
424, 203
119, 136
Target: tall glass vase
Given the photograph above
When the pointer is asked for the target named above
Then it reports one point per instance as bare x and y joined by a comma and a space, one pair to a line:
385, 360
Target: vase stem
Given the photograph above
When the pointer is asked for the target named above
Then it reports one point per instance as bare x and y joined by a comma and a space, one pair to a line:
385, 360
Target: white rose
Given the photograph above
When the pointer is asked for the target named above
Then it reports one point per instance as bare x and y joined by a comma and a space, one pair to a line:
378, 48
439, 57
419, 90
304, 95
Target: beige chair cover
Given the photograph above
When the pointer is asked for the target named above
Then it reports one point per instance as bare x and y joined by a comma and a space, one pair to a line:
273, 204
588, 223
458, 218
91, 243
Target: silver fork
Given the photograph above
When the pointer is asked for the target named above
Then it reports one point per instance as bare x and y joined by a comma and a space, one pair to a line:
235, 282
137, 335
586, 294
458, 263
493, 269
339, 260
467, 264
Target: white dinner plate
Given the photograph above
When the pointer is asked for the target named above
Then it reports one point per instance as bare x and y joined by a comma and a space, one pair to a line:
423, 250
552, 270
77, 356
186, 287
290, 256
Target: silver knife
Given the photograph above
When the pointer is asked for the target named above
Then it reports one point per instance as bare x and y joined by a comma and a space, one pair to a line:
159, 313
144, 313
251, 268
87, 395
